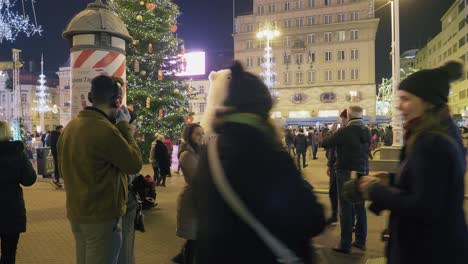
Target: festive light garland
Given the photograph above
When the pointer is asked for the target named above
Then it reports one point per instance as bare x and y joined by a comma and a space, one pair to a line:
12, 23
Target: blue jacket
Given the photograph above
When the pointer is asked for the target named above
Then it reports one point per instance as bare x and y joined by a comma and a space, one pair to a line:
427, 222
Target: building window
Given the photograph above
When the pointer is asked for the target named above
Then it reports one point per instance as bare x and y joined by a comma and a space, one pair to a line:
311, 20
328, 75
299, 22
287, 23
286, 58
299, 77
259, 61
287, 6
326, 2
299, 4
328, 36
354, 34
201, 89
461, 42
311, 39
249, 44
341, 75
272, 8
354, 74
354, 16
354, 54
249, 27
287, 77
202, 107
311, 76
328, 55
299, 58
260, 44
311, 3
311, 57
260, 10
455, 47
328, 19
249, 62
341, 55
340, 1
287, 41
3, 97
340, 17
341, 35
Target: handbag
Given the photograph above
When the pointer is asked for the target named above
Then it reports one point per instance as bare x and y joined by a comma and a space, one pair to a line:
279, 249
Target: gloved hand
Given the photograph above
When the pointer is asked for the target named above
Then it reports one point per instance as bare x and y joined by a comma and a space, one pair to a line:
122, 115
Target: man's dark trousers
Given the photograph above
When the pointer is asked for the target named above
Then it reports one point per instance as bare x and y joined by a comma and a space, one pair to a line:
299, 154
56, 170
333, 194
346, 215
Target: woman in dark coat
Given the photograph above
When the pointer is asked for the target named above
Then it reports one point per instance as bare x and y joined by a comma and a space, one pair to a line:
16, 170
161, 154
265, 178
427, 222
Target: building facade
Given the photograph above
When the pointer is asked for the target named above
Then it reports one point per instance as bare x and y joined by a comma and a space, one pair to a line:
197, 104
324, 57
450, 43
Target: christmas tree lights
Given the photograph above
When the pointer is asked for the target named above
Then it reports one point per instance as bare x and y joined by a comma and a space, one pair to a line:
42, 96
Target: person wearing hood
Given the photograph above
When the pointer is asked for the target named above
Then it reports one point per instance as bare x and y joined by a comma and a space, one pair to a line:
265, 177
352, 146
301, 143
16, 170
427, 221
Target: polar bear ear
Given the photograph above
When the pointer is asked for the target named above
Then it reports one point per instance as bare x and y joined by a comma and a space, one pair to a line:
213, 75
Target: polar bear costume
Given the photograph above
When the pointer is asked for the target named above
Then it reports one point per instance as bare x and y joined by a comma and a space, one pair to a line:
219, 85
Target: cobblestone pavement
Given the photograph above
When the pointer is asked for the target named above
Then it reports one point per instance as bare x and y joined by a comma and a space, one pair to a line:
49, 240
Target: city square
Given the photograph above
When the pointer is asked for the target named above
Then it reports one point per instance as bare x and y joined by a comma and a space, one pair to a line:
371, 93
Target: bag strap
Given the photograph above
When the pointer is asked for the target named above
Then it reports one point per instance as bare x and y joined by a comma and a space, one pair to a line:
281, 251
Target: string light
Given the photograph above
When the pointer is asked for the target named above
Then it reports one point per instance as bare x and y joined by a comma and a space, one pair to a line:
12, 23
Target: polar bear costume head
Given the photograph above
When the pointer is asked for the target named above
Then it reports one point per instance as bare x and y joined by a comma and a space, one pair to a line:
219, 86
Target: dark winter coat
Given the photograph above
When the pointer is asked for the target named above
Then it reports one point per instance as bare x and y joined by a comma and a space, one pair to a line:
301, 143
15, 170
267, 180
352, 146
161, 154
289, 139
52, 141
427, 222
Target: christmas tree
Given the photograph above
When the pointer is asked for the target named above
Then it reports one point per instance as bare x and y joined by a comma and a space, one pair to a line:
155, 56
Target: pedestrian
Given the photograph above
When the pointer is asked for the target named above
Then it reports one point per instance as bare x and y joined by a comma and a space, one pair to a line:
314, 143
152, 159
265, 177
16, 171
289, 139
96, 152
52, 142
186, 213
161, 154
352, 147
427, 221
301, 143
170, 148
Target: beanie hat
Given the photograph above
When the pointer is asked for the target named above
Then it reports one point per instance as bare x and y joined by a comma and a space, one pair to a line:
247, 93
433, 85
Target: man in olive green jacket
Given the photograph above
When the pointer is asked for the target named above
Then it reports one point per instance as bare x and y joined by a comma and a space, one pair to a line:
96, 151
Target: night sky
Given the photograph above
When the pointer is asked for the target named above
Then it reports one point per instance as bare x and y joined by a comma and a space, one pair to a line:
207, 25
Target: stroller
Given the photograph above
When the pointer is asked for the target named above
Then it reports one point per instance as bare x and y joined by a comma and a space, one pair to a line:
144, 186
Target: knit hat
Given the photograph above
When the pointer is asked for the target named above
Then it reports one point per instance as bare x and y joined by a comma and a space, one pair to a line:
247, 93
433, 85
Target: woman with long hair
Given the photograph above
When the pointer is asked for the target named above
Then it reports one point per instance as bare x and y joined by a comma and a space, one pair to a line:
186, 214
16, 171
425, 198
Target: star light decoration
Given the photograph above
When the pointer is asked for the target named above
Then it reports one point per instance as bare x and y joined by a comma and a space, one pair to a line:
12, 23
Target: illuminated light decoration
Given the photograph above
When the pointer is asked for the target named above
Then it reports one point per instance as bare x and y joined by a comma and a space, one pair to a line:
148, 102
193, 64
12, 23
137, 66
150, 48
42, 99
174, 28
269, 76
139, 18
150, 6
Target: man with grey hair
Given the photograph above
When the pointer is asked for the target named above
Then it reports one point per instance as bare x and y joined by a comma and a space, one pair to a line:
352, 147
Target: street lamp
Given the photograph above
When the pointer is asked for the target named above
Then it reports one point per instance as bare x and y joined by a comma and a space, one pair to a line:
397, 124
268, 75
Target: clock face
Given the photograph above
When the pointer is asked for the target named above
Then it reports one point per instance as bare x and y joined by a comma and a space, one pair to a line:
328, 97
298, 98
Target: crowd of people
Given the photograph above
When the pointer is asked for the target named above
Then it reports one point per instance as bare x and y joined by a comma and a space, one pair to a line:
244, 204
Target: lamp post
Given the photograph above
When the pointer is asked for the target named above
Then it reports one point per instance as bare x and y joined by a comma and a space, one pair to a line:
268, 75
397, 125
